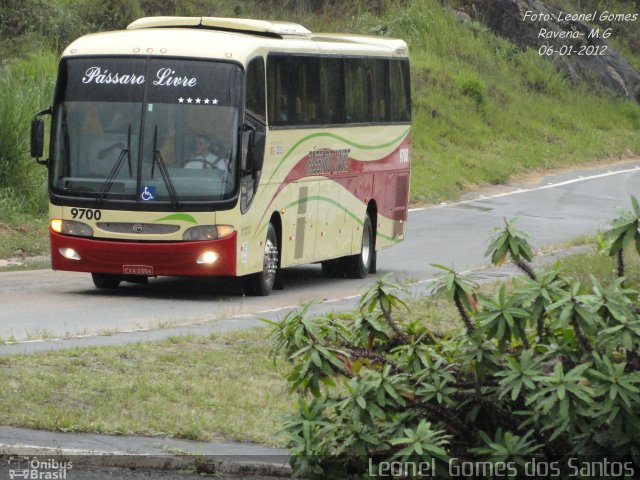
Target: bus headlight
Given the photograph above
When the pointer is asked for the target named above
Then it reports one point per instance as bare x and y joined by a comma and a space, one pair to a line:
207, 232
207, 258
69, 253
71, 227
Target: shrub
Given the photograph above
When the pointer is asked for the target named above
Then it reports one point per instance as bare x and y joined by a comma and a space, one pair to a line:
473, 87
547, 372
26, 86
109, 14
39, 23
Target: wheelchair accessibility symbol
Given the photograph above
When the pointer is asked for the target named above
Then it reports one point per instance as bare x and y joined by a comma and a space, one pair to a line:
147, 194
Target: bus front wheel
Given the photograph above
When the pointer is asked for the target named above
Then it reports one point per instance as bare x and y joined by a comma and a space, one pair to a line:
106, 280
262, 283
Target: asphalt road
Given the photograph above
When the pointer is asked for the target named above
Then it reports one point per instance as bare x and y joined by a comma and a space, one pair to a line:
553, 210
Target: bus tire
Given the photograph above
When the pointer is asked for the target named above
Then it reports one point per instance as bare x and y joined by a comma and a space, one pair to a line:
262, 283
333, 268
106, 280
359, 265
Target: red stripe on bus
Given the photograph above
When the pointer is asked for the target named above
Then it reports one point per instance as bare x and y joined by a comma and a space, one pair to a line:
166, 258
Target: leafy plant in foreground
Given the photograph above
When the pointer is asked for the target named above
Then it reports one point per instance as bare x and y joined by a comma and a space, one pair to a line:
546, 369
624, 230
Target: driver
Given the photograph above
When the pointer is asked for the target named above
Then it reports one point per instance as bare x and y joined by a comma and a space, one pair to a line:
203, 158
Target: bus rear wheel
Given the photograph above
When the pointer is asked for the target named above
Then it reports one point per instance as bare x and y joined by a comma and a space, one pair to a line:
359, 265
333, 268
262, 283
106, 280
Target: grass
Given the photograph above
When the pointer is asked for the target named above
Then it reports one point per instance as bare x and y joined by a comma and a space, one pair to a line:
201, 388
23, 235
470, 125
441, 314
603, 267
188, 387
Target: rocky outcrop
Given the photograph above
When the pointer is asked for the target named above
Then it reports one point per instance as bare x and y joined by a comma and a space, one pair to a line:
567, 37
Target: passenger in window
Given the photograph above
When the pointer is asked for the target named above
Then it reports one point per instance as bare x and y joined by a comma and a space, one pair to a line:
203, 157
282, 109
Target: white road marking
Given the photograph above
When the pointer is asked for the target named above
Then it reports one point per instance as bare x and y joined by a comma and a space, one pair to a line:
609, 173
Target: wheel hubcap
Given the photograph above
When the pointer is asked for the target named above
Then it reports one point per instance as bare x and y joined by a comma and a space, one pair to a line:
366, 246
270, 261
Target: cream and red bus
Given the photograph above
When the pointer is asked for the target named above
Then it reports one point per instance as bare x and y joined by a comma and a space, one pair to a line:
202, 146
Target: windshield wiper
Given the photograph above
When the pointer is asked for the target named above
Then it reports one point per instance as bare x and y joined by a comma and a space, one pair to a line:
102, 153
157, 158
124, 154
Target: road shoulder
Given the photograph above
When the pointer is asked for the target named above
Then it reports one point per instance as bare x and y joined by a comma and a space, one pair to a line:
88, 449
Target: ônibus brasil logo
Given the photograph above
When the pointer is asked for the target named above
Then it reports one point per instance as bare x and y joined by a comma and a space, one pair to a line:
38, 469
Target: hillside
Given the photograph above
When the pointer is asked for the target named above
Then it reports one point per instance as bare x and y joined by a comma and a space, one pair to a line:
483, 109
626, 36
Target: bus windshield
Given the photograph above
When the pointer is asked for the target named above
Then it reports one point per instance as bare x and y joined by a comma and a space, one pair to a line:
147, 130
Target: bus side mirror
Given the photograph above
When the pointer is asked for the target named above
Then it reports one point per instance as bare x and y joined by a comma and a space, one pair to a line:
37, 138
259, 138
253, 140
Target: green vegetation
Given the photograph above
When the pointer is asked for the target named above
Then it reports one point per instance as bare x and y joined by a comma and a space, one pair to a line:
187, 387
26, 85
549, 369
483, 110
203, 381
22, 235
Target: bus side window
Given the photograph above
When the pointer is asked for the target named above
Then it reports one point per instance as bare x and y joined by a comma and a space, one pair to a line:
282, 108
332, 90
378, 78
255, 88
356, 90
282, 78
399, 86
294, 89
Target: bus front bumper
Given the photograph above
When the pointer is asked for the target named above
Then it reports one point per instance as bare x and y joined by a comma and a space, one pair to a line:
88, 254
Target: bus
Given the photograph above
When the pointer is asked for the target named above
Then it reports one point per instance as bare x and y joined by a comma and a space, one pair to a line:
205, 146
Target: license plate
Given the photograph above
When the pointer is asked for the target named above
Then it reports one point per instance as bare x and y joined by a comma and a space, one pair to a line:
137, 270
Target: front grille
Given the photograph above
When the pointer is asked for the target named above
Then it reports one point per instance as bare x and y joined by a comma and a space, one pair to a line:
139, 228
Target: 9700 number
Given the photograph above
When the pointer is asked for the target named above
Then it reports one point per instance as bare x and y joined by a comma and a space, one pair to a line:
86, 213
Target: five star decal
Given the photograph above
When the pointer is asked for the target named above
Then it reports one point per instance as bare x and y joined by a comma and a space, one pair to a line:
206, 101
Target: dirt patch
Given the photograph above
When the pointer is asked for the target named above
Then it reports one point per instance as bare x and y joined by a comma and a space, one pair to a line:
5, 230
11, 262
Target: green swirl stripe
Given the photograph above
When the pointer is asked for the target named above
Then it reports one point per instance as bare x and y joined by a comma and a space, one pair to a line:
339, 138
321, 198
178, 217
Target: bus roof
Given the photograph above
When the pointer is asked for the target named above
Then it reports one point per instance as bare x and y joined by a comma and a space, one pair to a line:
219, 23
228, 38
